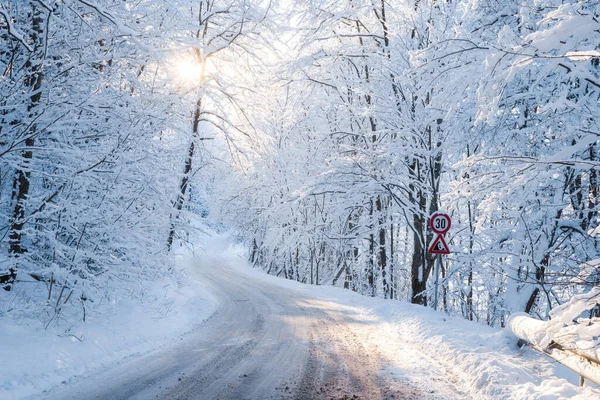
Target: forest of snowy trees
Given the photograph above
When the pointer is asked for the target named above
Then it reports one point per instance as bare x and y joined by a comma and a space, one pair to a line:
325, 132
385, 112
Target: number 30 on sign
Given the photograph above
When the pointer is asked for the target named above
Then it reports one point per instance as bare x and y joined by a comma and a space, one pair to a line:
440, 223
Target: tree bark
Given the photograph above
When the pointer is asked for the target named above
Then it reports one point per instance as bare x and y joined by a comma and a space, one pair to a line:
21, 180
391, 285
183, 186
382, 256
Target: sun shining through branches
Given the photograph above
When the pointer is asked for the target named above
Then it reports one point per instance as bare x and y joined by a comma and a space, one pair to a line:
189, 71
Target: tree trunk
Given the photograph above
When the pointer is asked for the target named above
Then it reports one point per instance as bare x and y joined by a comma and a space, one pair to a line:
382, 257
370, 267
21, 181
392, 291
253, 256
183, 186
540, 274
418, 264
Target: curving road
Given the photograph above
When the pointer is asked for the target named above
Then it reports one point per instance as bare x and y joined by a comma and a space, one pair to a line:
267, 341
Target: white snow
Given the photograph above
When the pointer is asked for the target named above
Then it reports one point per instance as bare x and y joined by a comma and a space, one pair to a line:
479, 361
36, 359
566, 153
524, 327
583, 55
448, 357
576, 333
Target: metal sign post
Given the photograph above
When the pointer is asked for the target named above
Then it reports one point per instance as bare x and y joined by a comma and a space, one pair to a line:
440, 224
438, 265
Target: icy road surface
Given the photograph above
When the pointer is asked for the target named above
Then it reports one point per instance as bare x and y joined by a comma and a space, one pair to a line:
272, 339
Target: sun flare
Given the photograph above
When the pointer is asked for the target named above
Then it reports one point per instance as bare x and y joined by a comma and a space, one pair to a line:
189, 71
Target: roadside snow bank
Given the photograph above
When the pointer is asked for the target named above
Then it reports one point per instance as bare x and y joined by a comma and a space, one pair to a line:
35, 359
487, 360
483, 358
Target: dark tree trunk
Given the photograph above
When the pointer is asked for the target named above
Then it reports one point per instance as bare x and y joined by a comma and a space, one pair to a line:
370, 267
469, 310
21, 181
253, 256
392, 291
19, 194
312, 262
540, 273
593, 195
418, 264
183, 186
297, 264
426, 176
532, 300
382, 257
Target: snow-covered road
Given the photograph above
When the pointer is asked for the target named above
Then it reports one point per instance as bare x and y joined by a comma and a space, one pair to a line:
256, 336
272, 339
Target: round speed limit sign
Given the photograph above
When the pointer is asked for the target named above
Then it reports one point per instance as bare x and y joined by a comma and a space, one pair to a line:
440, 223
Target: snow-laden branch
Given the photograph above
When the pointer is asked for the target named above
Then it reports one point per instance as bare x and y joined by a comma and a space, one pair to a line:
13, 31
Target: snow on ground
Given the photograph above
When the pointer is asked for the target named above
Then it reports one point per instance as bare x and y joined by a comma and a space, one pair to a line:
35, 359
481, 362
445, 356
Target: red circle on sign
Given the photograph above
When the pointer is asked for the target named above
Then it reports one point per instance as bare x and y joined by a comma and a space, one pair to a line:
440, 223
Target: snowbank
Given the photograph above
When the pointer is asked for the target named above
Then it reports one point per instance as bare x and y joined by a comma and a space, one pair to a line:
484, 361
35, 359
